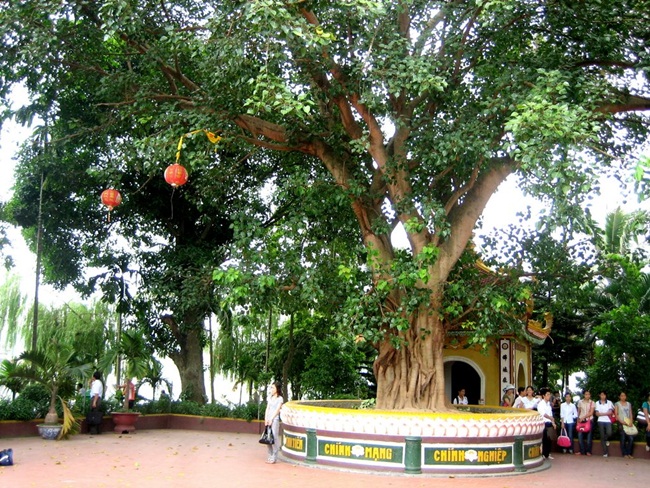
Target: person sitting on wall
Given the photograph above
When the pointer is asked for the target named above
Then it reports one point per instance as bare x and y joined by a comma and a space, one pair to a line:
528, 400
518, 400
508, 396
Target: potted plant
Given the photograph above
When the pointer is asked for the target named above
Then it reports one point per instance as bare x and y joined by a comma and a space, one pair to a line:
55, 369
125, 418
137, 357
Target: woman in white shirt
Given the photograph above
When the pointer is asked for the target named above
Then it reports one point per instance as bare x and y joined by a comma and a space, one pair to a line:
546, 410
528, 400
604, 408
568, 415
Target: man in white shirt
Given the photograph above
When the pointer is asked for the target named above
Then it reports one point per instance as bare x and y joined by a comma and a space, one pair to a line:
96, 390
461, 399
94, 418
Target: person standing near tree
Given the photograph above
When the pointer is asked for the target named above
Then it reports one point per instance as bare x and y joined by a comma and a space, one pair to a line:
585, 414
96, 391
604, 408
94, 418
461, 399
272, 418
556, 403
545, 409
568, 415
128, 390
624, 417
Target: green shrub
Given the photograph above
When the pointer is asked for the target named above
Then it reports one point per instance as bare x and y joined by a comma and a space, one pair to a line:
35, 404
186, 408
20, 409
370, 403
4, 409
34, 397
36, 393
249, 411
343, 396
155, 406
216, 410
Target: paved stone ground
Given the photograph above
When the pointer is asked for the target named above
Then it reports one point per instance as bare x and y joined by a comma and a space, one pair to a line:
189, 459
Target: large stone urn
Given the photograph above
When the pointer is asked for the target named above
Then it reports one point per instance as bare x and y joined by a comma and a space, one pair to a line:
474, 440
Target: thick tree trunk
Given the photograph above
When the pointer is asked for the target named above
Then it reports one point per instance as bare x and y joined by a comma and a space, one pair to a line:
412, 375
189, 361
52, 417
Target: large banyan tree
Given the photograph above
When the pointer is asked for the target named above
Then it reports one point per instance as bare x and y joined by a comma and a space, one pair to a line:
414, 110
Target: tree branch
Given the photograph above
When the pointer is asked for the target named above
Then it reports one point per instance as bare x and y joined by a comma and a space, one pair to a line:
630, 103
462, 217
347, 117
456, 196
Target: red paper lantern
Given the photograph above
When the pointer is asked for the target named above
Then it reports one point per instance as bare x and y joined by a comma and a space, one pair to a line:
176, 175
111, 198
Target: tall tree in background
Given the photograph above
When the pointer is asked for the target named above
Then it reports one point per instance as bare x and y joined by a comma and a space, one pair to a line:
288, 283
622, 328
416, 109
621, 308
624, 233
558, 268
168, 240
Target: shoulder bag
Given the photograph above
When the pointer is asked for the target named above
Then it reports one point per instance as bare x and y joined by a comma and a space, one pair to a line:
612, 417
630, 430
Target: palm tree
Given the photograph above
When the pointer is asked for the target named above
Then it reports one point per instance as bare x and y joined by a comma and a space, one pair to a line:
7, 378
137, 356
55, 369
624, 229
624, 280
621, 308
153, 376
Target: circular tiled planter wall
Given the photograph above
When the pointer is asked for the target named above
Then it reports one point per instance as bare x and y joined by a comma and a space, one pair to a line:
478, 440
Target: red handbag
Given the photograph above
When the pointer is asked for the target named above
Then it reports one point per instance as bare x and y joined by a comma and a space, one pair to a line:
584, 426
563, 439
